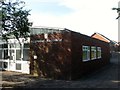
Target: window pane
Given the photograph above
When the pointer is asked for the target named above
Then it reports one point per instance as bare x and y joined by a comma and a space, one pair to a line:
0, 45
26, 54
26, 45
5, 54
17, 45
18, 66
12, 45
86, 53
5, 45
0, 54
18, 54
93, 52
11, 54
5, 65
1, 64
99, 52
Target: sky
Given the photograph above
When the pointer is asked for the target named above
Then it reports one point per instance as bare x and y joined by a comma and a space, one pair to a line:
84, 16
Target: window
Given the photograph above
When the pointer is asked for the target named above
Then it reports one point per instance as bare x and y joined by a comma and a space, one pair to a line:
1, 64
17, 45
11, 54
5, 65
18, 54
12, 45
86, 53
26, 51
98, 52
18, 66
5, 46
0, 54
6, 54
26, 45
93, 52
26, 54
1, 46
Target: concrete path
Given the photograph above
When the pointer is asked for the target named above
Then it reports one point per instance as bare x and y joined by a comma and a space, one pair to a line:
107, 77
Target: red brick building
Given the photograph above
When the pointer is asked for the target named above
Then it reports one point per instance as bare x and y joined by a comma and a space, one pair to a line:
64, 54
100, 37
113, 44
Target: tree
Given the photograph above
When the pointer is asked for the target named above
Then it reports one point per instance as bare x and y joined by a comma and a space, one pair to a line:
118, 11
14, 20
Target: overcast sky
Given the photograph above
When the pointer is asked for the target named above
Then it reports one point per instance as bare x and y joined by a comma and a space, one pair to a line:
84, 16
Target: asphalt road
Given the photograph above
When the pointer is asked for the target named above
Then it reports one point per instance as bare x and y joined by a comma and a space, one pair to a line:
106, 77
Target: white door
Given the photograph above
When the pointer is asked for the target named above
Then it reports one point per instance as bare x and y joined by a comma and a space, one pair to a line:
15, 62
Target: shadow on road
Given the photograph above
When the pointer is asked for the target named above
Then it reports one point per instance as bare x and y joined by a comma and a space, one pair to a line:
106, 77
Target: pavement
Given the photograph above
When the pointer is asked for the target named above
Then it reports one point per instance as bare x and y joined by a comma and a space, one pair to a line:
106, 77
12, 79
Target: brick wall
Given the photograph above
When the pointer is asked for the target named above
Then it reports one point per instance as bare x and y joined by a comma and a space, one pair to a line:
80, 68
60, 56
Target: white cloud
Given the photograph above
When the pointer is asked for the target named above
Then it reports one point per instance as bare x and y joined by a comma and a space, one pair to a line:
94, 4
89, 16
39, 1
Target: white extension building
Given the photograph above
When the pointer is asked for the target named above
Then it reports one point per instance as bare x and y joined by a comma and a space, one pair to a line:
13, 57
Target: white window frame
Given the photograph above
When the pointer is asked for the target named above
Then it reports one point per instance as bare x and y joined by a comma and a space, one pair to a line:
99, 50
86, 49
93, 49
3, 59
